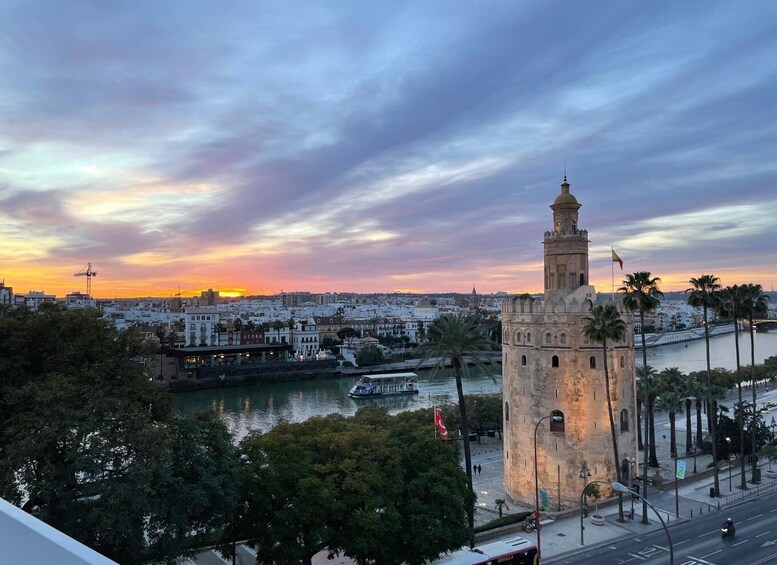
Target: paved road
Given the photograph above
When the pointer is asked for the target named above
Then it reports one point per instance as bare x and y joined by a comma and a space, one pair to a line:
697, 542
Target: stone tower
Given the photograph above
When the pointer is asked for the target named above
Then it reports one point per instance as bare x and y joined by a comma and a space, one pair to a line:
550, 368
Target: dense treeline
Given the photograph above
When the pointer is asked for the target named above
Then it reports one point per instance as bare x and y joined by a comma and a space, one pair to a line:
381, 489
91, 445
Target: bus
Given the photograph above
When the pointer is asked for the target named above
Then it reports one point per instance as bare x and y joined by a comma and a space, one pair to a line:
514, 551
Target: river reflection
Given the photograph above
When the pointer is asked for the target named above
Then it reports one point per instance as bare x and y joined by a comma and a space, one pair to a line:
260, 407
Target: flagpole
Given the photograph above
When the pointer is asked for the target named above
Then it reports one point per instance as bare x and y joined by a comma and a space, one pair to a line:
612, 272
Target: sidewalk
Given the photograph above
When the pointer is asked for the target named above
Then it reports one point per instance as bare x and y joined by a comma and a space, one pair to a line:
563, 535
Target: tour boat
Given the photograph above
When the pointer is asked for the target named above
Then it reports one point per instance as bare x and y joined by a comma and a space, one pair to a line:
389, 384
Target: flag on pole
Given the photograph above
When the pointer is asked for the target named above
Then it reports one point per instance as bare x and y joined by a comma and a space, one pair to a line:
438, 423
616, 259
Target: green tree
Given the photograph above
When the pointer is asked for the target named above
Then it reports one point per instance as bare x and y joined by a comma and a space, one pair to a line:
641, 294
671, 398
604, 324
731, 305
453, 337
278, 325
370, 355
755, 305
347, 335
90, 445
499, 504
646, 384
703, 294
348, 484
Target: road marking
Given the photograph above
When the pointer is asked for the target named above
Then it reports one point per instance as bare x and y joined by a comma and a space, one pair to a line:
739, 542
763, 534
713, 553
708, 533
685, 540
754, 517
775, 510
764, 560
638, 557
769, 543
698, 560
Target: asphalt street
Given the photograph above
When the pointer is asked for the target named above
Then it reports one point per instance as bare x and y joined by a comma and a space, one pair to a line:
697, 542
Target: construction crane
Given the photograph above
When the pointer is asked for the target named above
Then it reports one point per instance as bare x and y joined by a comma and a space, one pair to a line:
88, 273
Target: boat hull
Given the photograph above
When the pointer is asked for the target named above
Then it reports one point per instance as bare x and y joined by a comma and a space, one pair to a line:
382, 394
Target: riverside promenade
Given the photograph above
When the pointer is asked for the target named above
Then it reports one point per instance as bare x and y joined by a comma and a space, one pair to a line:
562, 537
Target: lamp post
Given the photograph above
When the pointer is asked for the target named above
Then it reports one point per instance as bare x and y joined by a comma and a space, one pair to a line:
584, 474
773, 425
245, 460
536, 482
728, 458
622, 488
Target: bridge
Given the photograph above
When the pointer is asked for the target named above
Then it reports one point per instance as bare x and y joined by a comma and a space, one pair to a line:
764, 325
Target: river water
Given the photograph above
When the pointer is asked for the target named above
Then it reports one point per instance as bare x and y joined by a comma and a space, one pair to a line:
260, 407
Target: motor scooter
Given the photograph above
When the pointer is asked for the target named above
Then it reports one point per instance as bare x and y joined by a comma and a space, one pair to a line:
727, 530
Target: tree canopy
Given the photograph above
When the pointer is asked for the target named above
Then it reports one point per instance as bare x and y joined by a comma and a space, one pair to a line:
91, 446
350, 484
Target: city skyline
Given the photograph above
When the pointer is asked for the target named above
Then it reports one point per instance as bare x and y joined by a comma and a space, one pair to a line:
383, 147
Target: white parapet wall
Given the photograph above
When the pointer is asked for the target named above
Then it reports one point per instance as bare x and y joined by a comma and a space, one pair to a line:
26, 540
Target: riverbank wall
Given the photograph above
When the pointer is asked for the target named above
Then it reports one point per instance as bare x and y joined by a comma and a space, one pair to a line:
190, 385
680, 336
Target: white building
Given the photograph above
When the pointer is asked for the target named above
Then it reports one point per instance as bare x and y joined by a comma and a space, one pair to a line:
305, 338
201, 327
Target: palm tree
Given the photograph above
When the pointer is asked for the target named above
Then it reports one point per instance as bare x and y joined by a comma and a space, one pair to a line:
650, 427
703, 293
605, 323
670, 399
642, 295
731, 305
277, 325
755, 304
452, 337
691, 389
500, 503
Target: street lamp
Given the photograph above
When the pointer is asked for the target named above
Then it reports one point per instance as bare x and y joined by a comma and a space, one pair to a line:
584, 474
622, 488
555, 418
773, 425
728, 458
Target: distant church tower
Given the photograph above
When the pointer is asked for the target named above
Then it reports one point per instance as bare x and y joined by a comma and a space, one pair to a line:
550, 368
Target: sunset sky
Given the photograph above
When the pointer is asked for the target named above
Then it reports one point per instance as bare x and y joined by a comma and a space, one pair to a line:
254, 147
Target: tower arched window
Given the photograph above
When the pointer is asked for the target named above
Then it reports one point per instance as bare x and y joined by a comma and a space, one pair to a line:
562, 339
554, 361
624, 420
623, 362
557, 421
507, 411
523, 360
517, 337
582, 279
592, 362
528, 337
548, 338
